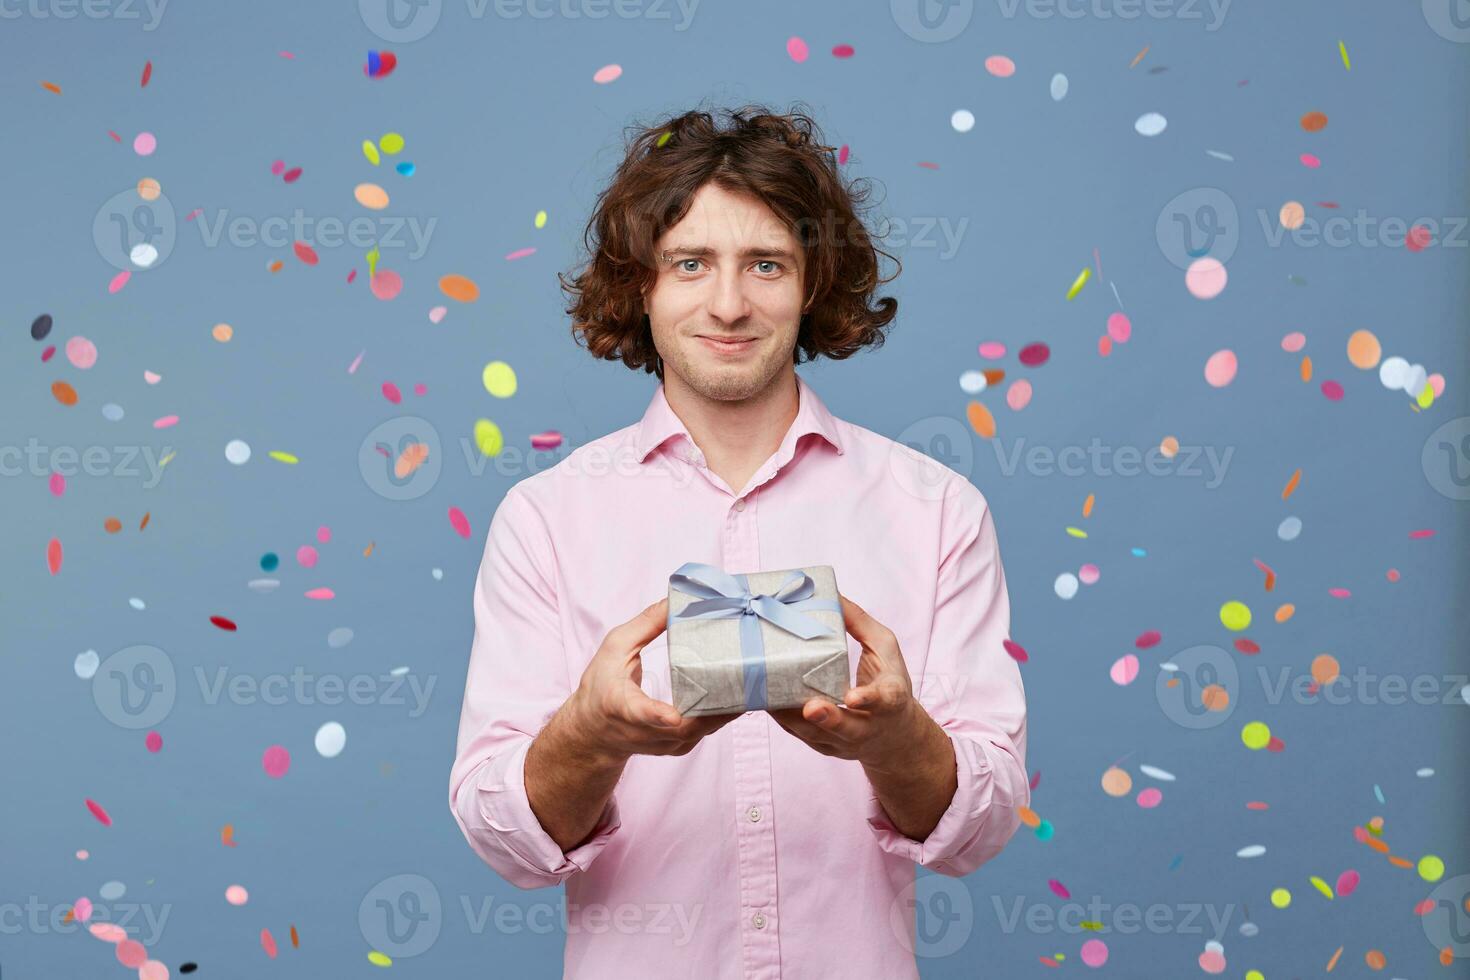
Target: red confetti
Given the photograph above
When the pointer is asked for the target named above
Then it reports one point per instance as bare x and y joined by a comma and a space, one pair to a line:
292, 175
223, 623
1148, 639
1421, 533
1017, 652
1248, 647
53, 555
268, 943
1035, 355
147, 74
305, 253
295, 940
842, 51
1418, 239
1036, 779
99, 813
48, 353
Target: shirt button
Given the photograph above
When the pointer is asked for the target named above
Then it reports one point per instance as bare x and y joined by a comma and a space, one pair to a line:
754, 813
758, 920
740, 504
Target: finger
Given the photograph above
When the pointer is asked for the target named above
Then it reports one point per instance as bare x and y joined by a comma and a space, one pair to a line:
639, 631
846, 726
883, 695
638, 708
863, 627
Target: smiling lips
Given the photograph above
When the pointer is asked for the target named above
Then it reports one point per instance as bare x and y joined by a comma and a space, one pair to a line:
728, 345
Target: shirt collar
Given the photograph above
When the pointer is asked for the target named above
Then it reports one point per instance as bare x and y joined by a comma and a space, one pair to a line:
660, 424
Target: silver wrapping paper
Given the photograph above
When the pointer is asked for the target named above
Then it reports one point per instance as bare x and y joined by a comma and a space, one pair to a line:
706, 666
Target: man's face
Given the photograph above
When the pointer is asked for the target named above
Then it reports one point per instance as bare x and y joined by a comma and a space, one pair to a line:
730, 270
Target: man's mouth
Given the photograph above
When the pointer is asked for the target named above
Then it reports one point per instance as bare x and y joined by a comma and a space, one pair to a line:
727, 345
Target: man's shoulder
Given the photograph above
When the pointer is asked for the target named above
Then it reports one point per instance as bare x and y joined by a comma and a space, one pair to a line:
931, 459
561, 481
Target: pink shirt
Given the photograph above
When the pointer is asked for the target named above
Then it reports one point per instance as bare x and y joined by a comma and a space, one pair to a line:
754, 855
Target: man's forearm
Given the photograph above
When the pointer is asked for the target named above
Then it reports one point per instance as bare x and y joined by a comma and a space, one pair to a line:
568, 782
918, 787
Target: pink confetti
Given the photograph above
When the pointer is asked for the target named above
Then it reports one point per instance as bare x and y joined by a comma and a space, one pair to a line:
1148, 638
1311, 160
1058, 889
119, 281
1150, 798
193, 214
292, 175
320, 592
306, 556
352, 368
992, 350
236, 894
153, 742
268, 943
1000, 66
1339, 593
153, 970
82, 909
386, 284
420, 388
81, 352
278, 167
1094, 953
50, 352
607, 73
391, 392
1018, 395
58, 484
1018, 653
166, 421
437, 313
549, 439
351, 276
1220, 368
797, 49
108, 932
1089, 574
323, 534
1418, 239
1293, 342
131, 954
1347, 883
1426, 532
99, 813
305, 253
1332, 390
460, 523
1034, 355
144, 144
1119, 328
842, 51
520, 254
276, 761
1124, 671
842, 154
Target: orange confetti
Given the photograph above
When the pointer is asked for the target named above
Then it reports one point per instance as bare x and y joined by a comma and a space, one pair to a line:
1285, 612
410, 459
1375, 959
112, 525
227, 835
1139, 57
295, 940
981, 420
994, 376
63, 393
1399, 862
51, 87
275, 266
1376, 844
144, 522
1314, 122
1029, 817
1290, 487
53, 555
1087, 505
1333, 962
1306, 370
460, 288
366, 552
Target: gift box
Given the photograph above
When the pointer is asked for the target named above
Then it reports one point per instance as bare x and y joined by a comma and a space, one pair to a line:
754, 641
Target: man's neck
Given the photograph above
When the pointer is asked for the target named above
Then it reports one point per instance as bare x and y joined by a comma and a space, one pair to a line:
736, 437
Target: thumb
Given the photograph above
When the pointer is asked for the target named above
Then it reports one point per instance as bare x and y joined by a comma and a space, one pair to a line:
641, 709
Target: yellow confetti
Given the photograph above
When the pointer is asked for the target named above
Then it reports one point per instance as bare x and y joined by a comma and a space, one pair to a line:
499, 378
540, 219
378, 959
391, 143
371, 152
1081, 281
281, 457
1321, 885
164, 462
665, 137
372, 261
488, 437
1076, 532
1342, 48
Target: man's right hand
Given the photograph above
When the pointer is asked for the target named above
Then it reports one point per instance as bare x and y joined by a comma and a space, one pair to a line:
609, 713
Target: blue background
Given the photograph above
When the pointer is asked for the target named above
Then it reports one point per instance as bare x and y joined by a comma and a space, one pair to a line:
502, 118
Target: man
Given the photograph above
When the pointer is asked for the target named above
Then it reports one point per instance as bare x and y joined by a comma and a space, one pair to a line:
768, 844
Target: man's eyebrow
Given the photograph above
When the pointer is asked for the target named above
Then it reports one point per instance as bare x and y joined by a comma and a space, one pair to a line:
704, 252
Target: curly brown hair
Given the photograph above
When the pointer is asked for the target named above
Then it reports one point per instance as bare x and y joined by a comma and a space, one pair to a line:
778, 159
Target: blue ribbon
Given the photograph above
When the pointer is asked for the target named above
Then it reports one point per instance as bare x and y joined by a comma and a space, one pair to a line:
726, 596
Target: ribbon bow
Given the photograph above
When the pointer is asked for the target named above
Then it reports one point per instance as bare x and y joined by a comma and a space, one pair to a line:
726, 596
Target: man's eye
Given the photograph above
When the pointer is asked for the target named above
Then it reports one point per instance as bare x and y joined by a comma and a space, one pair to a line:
776, 266
682, 264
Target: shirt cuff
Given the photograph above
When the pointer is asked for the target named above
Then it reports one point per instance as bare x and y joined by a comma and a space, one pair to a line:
506, 813
961, 822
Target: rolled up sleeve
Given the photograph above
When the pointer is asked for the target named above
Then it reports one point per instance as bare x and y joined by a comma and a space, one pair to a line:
972, 688
518, 677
